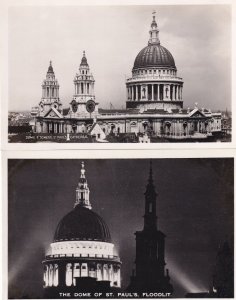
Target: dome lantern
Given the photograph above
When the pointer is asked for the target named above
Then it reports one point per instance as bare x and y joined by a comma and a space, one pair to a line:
154, 32
82, 190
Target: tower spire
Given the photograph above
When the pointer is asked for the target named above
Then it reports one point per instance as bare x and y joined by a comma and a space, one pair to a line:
82, 190
150, 216
154, 31
50, 68
150, 173
84, 61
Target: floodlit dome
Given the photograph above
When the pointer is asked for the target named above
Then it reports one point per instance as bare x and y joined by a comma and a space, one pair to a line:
82, 224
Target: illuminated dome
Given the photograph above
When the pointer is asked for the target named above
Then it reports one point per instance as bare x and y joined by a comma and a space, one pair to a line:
82, 224
82, 255
154, 56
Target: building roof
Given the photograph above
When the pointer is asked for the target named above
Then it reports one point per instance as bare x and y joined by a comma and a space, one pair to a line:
154, 56
65, 111
82, 224
118, 111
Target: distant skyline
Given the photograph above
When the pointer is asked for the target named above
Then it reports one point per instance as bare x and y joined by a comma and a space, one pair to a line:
198, 36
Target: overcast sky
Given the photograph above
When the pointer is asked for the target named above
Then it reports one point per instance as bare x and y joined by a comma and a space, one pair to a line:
199, 38
194, 208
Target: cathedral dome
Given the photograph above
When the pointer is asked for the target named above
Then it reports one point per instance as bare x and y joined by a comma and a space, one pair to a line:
154, 56
82, 224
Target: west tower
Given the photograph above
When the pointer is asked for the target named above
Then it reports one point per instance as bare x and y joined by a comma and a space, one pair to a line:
50, 93
83, 103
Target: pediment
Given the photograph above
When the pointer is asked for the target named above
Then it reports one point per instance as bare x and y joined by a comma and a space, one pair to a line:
53, 113
196, 113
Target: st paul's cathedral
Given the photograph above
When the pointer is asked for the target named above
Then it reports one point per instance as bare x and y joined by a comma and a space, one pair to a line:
154, 103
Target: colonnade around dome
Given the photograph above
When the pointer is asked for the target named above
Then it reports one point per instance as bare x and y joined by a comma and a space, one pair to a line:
154, 92
63, 273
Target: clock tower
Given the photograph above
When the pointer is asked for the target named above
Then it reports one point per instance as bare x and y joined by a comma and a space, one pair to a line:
83, 103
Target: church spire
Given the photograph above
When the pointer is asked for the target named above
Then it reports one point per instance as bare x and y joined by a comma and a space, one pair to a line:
82, 190
154, 32
150, 216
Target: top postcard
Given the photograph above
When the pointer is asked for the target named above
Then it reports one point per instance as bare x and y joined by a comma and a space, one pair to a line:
119, 74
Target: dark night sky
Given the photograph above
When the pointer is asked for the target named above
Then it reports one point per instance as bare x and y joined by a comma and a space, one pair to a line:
194, 207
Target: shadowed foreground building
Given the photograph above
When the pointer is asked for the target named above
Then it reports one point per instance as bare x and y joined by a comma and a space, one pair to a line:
149, 274
82, 254
154, 103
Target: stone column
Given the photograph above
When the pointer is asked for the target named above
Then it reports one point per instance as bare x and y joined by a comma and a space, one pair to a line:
152, 92
136, 92
168, 92
118, 277
47, 276
173, 93
158, 92
164, 92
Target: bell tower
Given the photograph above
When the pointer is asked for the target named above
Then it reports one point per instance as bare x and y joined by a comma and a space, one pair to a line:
50, 93
149, 274
83, 103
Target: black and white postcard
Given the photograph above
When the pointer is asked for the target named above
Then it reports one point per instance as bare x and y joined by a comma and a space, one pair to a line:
119, 73
120, 228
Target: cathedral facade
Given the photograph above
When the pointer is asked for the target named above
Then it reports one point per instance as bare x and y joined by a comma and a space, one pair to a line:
82, 256
154, 103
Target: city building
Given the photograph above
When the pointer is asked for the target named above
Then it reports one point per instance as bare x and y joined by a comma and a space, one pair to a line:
154, 104
82, 255
150, 274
